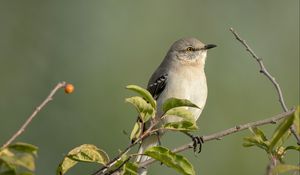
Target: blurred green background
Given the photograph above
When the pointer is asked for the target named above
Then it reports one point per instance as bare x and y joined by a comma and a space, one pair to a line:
102, 46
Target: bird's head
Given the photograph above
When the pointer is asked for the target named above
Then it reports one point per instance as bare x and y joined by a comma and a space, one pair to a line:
189, 51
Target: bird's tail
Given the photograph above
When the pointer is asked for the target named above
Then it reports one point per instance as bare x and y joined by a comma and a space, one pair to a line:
147, 143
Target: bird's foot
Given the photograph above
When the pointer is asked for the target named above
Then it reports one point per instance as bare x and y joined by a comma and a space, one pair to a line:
197, 140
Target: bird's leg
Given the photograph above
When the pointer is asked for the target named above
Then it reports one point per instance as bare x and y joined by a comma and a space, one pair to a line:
197, 141
158, 137
159, 141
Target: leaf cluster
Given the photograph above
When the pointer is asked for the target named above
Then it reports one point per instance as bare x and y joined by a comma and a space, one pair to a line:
275, 146
146, 108
18, 159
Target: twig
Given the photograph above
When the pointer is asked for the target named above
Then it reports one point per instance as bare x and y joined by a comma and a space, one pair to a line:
272, 163
221, 134
35, 112
264, 71
147, 133
104, 169
119, 167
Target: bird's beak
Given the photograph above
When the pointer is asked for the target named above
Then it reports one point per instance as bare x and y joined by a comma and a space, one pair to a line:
209, 46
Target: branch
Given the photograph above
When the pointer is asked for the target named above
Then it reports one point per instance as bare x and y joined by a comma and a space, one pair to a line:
147, 133
264, 71
272, 163
221, 134
35, 112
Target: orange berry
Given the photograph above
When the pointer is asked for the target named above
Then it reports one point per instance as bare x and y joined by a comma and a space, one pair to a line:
69, 88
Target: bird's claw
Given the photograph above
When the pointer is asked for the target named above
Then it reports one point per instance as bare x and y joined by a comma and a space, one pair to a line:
197, 141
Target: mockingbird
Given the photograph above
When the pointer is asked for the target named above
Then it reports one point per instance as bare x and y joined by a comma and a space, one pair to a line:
180, 75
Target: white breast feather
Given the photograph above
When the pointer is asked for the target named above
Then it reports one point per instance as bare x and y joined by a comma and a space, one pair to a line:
184, 85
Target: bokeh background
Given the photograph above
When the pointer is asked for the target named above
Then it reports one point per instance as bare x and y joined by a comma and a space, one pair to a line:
102, 46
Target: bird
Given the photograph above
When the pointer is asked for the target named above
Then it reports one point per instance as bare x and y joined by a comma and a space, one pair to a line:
180, 75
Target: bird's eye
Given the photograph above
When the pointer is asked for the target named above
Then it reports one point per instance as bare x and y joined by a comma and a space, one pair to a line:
189, 49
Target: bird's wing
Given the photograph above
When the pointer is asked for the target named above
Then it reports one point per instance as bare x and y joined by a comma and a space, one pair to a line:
158, 85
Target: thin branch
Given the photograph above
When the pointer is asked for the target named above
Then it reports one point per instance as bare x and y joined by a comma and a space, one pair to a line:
119, 167
264, 71
104, 169
147, 133
221, 134
272, 163
35, 112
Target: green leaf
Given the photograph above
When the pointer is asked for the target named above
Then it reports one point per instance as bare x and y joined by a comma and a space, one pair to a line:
65, 165
18, 156
26, 173
145, 110
6, 152
136, 131
23, 160
176, 102
172, 160
120, 161
181, 112
281, 130
89, 153
297, 148
282, 168
130, 169
24, 147
9, 172
256, 141
83, 153
6, 165
259, 133
181, 126
297, 120
144, 93
283, 138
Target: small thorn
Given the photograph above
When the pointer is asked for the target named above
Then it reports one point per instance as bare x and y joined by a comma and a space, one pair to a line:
273, 122
125, 132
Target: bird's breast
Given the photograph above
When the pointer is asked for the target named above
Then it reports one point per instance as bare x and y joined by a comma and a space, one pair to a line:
186, 84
